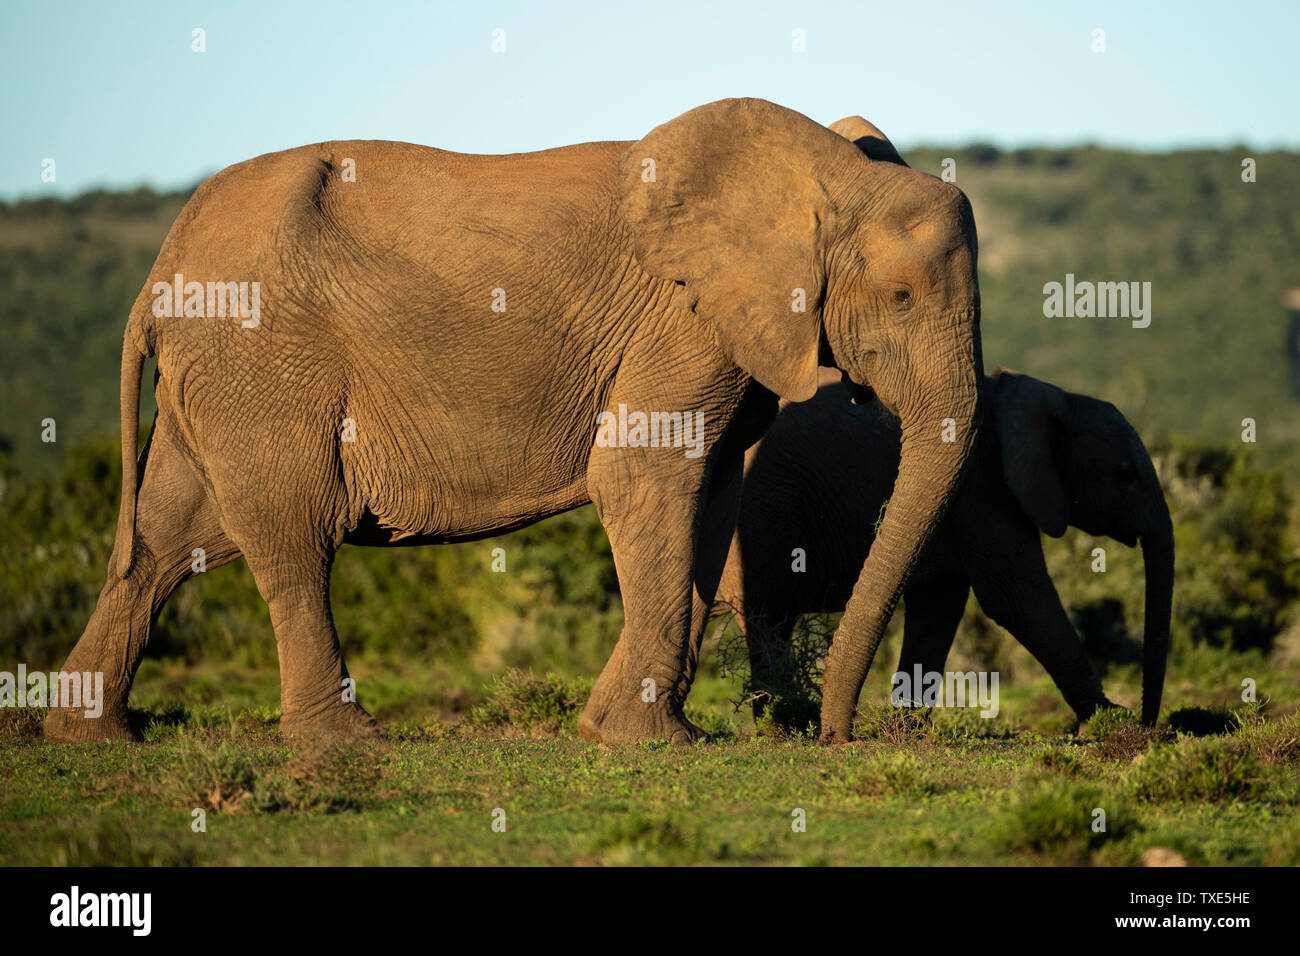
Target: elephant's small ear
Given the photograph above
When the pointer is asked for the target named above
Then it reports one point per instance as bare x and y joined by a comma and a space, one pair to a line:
1030, 416
728, 199
866, 137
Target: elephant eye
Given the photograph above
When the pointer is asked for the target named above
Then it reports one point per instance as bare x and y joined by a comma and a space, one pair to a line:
902, 298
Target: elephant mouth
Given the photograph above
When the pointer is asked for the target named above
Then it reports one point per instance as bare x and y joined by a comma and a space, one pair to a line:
858, 394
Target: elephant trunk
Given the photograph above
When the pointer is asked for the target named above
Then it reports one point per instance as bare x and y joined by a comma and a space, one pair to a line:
937, 438
1158, 559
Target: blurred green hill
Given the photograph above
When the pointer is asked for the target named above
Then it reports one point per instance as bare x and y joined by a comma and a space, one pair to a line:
69, 271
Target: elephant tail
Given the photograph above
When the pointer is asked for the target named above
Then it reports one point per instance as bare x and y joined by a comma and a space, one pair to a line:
132, 370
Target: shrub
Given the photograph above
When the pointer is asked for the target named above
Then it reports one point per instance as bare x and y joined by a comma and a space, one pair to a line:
641, 839
1271, 741
955, 724
1107, 720
1056, 818
654, 832
112, 841
22, 721
791, 694
784, 720
1238, 571
217, 773
1206, 770
896, 726
521, 701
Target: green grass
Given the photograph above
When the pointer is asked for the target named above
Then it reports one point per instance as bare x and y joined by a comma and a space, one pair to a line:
949, 788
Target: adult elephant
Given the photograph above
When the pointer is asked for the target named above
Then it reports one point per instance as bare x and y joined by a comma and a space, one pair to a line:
439, 336
1044, 459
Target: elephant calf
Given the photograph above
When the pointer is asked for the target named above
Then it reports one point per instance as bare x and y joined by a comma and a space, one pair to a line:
1044, 459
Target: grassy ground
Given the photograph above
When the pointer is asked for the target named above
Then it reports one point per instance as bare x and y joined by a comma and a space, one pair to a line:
1212, 785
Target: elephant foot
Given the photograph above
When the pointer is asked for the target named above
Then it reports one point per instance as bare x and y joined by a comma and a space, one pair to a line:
71, 725
636, 723
837, 718
834, 738
346, 722
835, 733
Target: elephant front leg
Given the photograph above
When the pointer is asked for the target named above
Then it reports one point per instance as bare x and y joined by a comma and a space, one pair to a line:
653, 522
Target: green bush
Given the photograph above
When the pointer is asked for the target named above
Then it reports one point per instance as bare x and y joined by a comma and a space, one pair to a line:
642, 839
790, 695
321, 777
957, 724
1057, 762
1271, 741
1119, 735
213, 774
57, 537
1206, 770
1238, 571
1057, 818
219, 772
523, 702
895, 726
1108, 720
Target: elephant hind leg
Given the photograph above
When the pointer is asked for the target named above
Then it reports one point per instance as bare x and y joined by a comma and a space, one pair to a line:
1040, 623
317, 697
178, 533
285, 506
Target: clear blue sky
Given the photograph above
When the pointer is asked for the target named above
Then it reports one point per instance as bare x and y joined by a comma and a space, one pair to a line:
113, 92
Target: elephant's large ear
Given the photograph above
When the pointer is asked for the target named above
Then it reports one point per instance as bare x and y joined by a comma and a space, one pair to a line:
728, 200
866, 137
1030, 416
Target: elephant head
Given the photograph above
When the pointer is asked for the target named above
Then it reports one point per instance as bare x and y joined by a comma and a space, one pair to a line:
800, 248
1075, 460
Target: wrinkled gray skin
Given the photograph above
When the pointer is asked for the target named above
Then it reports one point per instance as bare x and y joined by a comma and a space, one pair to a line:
1045, 459
383, 401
